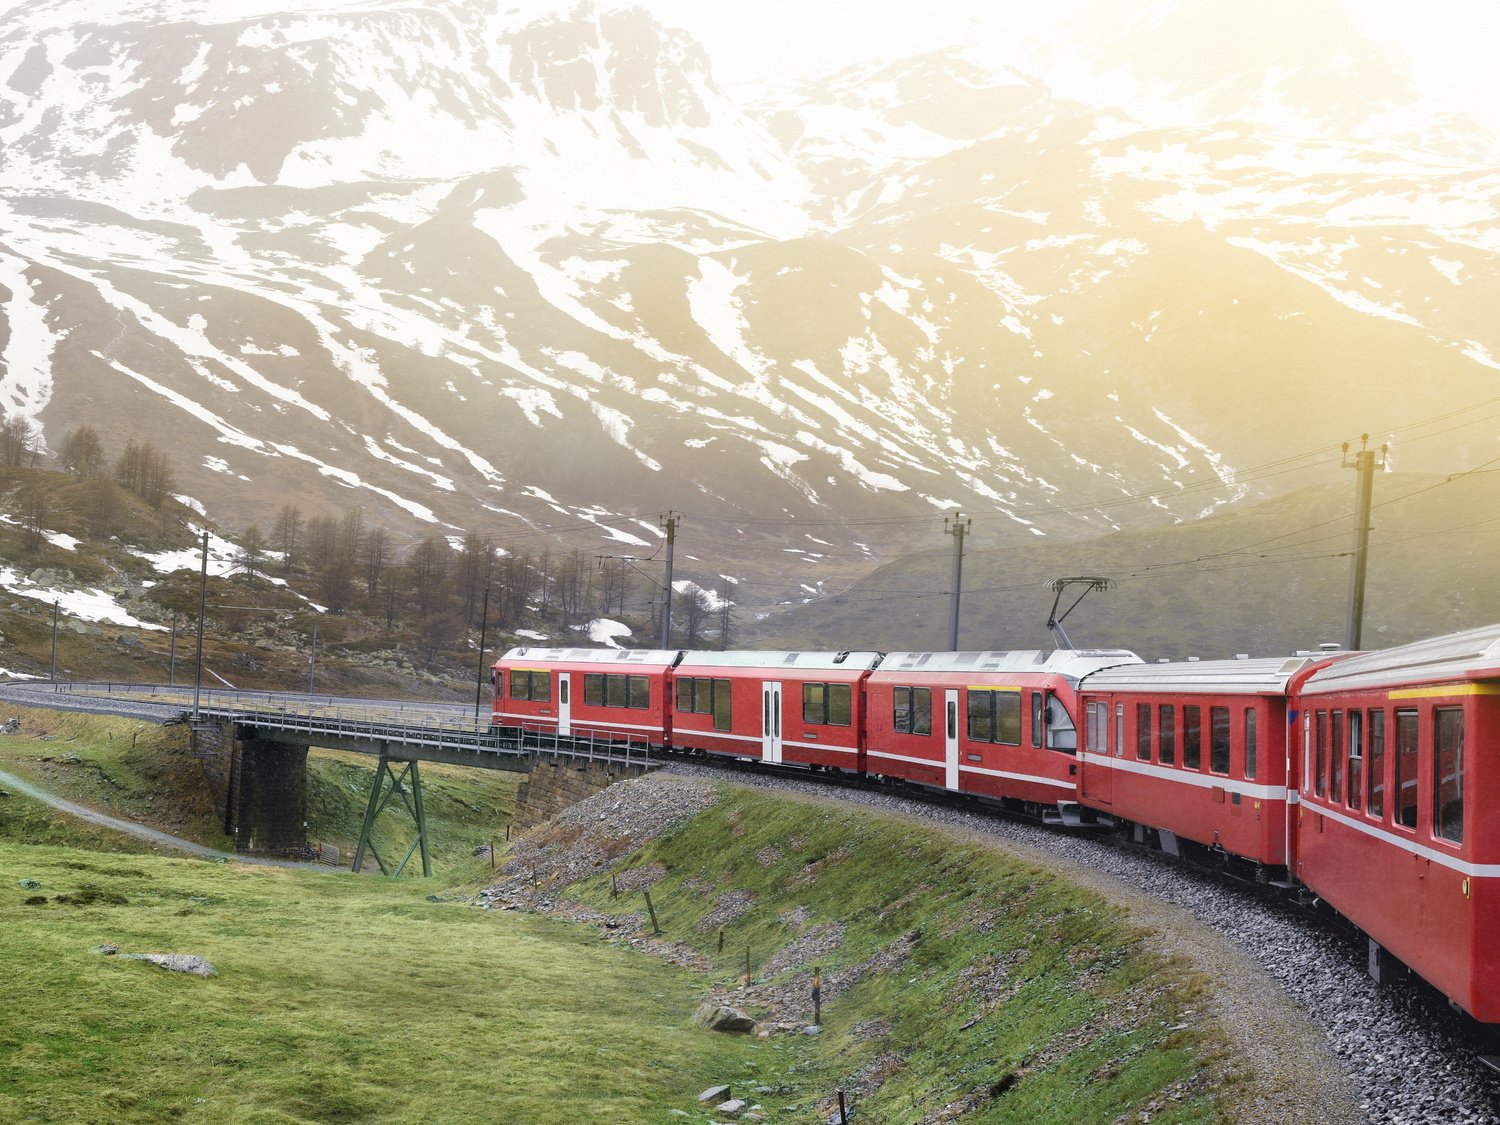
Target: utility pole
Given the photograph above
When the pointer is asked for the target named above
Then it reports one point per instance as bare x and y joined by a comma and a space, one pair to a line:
670, 522
172, 654
202, 609
484, 621
1364, 463
55, 608
312, 656
956, 526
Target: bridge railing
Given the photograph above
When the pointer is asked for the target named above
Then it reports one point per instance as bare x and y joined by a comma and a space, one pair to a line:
401, 722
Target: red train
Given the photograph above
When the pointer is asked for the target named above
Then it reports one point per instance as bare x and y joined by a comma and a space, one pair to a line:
1356, 776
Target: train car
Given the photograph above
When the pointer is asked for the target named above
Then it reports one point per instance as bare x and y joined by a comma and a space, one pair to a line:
613, 694
995, 724
1196, 751
804, 708
1400, 807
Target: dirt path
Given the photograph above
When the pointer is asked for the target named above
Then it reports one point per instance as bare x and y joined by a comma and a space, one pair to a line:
83, 812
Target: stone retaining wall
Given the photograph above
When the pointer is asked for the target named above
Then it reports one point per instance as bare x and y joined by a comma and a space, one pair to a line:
554, 785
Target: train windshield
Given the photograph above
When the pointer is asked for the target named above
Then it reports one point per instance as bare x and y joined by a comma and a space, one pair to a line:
1061, 733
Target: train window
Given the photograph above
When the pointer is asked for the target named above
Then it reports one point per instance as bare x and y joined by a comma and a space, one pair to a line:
1406, 769
684, 693
1167, 742
921, 710
1375, 766
913, 710
1252, 750
1008, 717
1119, 730
1336, 757
593, 689
1091, 732
614, 691
1061, 733
840, 705
1320, 754
1192, 737
995, 716
640, 693
721, 698
1448, 774
703, 696
535, 686
1356, 758
981, 716
1038, 719
1218, 740
827, 704
1143, 731
814, 702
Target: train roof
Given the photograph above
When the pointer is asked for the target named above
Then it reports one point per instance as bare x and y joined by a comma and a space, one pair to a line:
1470, 655
664, 658
1268, 676
1074, 663
854, 661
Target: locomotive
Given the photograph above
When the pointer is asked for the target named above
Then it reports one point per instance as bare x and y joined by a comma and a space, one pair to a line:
1352, 777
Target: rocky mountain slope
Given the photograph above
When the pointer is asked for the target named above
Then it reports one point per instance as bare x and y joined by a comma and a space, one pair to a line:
497, 268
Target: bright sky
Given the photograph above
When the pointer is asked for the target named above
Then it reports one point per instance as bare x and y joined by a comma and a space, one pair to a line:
1452, 43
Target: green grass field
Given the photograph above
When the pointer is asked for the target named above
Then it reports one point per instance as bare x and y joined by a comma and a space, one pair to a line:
338, 998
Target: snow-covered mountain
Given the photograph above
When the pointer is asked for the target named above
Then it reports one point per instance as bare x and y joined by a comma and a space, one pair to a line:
494, 267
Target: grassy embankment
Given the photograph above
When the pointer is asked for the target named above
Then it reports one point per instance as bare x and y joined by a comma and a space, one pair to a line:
951, 975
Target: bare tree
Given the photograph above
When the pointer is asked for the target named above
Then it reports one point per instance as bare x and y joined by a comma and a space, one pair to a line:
431, 560
726, 617
352, 533
18, 442
251, 556
145, 470
696, 610
83, 453
286, 535
475, 563
377, 557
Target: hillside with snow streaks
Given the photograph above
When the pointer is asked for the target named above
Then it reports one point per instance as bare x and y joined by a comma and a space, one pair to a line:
500, 267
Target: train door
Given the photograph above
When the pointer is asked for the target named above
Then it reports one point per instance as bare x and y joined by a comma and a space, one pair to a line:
950, 737
564, 703
1098, 785
770, 708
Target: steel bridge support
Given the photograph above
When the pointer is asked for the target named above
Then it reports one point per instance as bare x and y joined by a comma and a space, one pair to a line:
405, 785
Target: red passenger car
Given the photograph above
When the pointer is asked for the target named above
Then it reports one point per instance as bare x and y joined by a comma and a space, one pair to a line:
998, 724
796, 707
615, 694
1400, 814
1196, 750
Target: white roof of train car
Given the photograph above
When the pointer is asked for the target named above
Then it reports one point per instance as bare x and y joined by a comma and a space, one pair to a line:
662, 657
1207, 677
1454, 656
1072, 663
858, 660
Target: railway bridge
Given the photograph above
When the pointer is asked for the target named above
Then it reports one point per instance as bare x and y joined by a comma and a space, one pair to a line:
254, 745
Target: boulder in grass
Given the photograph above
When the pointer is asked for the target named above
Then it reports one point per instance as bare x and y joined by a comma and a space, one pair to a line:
714, 1094
720, 1017
175, 962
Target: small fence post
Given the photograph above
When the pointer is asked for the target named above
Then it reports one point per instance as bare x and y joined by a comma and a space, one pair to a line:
655, 929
